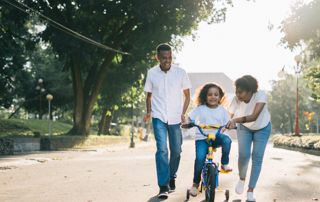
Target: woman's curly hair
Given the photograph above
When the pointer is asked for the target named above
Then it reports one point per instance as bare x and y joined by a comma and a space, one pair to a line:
247, 83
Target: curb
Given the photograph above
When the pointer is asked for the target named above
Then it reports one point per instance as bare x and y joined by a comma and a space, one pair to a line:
11, 146
303, 150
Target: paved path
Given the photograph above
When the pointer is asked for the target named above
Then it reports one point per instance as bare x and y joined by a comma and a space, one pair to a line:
120, 174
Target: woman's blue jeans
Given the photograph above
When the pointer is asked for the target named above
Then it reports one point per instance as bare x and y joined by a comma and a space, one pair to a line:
223, 141
246, 139
167, 169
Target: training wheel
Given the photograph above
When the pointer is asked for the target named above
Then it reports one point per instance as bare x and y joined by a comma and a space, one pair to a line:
227, 194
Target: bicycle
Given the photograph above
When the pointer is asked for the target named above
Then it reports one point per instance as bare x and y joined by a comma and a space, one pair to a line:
210, 170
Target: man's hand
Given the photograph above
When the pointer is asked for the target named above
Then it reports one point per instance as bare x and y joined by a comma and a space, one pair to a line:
147, 117
183, 119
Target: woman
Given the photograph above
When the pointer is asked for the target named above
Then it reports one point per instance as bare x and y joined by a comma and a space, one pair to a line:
250, 113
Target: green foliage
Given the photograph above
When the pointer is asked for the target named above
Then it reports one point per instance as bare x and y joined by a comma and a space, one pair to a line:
312, 75
302, 29
22, 127
303, 25
129, 25
15, 42
9, 126
282, 104
46, 65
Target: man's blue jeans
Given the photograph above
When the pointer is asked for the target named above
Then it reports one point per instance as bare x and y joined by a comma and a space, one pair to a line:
259, 140
223, 141
167, 169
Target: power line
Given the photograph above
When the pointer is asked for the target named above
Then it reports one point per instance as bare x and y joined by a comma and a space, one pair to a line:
64, 28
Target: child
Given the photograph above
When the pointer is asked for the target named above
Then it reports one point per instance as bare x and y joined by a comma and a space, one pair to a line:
209, 112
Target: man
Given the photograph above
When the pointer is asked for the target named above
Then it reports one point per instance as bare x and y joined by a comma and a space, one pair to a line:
165, 86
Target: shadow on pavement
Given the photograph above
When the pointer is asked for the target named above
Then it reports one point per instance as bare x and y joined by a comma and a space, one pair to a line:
155, 199
276, 158
310, 164
294, 190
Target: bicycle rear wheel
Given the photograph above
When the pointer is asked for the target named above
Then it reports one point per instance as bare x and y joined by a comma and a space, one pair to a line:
211, 178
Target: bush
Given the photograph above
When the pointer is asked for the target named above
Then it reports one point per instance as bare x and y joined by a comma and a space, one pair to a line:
6, 146
306, 142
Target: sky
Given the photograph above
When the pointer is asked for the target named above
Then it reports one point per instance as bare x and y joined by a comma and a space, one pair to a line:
243, 44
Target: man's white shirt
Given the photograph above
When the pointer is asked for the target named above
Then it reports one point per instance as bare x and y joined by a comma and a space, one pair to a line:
167, 92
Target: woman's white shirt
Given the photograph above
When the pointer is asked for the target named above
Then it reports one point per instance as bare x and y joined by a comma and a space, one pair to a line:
240, 109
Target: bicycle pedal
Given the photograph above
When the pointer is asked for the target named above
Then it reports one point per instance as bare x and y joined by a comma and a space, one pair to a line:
225, 171
219, 189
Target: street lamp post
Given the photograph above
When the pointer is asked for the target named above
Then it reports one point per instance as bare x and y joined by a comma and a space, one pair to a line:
41, 90
297, 70
132, 144
49, 98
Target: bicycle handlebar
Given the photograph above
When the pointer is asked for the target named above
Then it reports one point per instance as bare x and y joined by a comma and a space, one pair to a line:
200, 127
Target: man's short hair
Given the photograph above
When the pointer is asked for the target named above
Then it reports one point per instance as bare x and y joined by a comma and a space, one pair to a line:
163, 47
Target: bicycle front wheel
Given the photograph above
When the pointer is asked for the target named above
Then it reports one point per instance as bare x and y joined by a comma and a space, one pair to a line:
211, 179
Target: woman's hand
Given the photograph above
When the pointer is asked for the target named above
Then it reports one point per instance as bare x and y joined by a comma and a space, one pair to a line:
231, 124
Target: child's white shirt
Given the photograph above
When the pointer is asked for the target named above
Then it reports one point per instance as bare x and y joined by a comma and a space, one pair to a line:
209, 116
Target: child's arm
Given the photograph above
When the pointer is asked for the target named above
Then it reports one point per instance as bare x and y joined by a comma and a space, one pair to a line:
185, 124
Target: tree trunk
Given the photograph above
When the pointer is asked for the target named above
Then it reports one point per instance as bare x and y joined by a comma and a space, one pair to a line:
102, 121
105, 123
78, 101
106, 130
86, 96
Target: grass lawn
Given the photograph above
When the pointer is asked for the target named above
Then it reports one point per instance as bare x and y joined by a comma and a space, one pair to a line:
22, 127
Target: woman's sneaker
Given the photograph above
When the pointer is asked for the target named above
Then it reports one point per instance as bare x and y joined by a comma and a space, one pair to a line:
226, 168
164, 191
194, 190
250, 197
240, 187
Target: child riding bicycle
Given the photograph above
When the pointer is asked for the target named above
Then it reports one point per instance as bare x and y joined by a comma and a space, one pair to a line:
209, 112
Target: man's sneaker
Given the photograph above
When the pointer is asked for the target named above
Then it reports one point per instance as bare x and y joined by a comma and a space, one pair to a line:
172, 185
250, 197
240, 187
163, 194
226, 168
193, 191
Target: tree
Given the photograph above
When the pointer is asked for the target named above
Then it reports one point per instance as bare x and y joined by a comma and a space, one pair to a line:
127, 25
44, 63
301, 29
15, 42
122, 92
116, 84
303, 25
282, 104
312, 75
